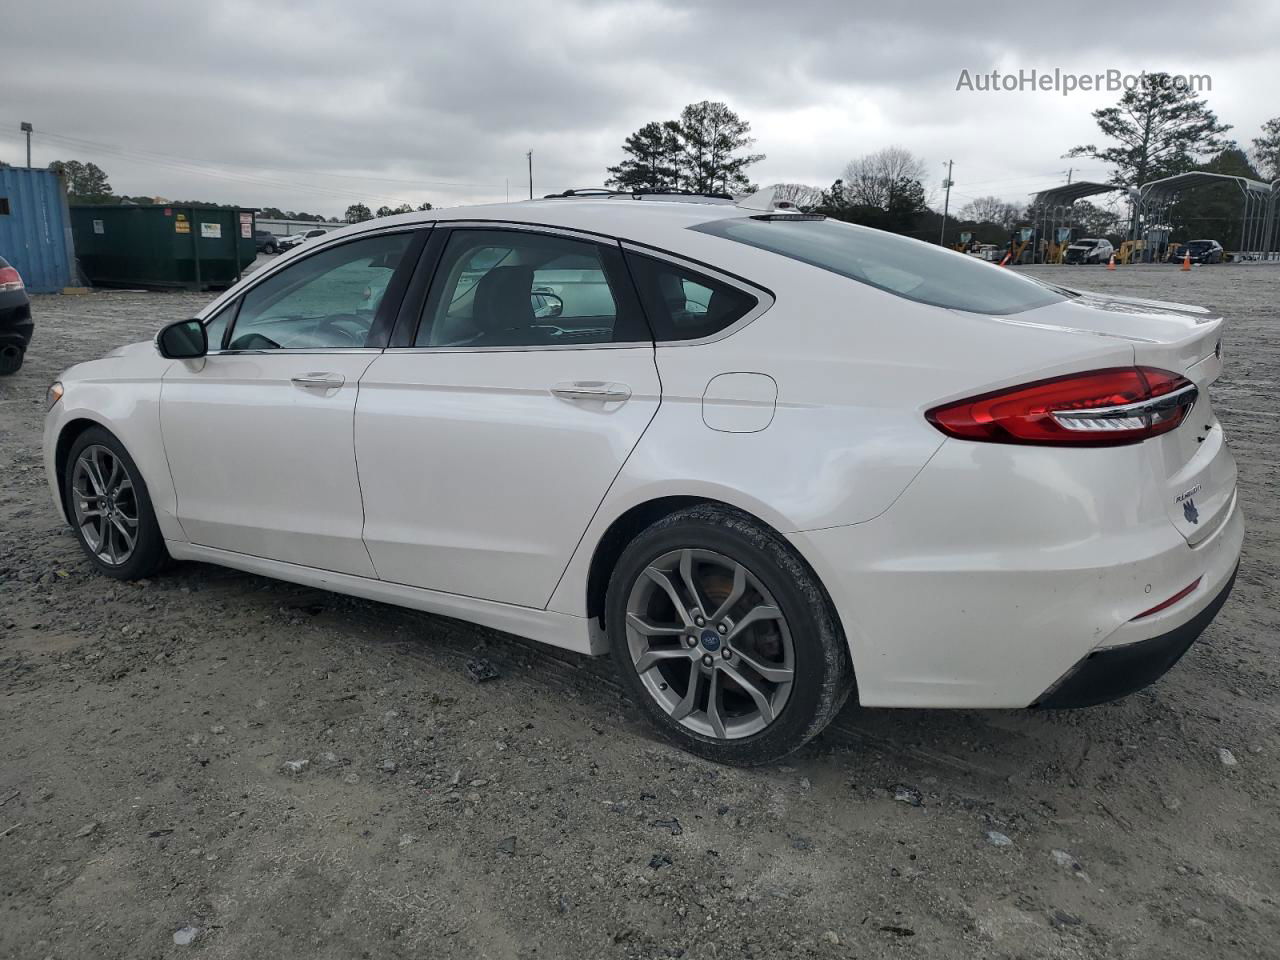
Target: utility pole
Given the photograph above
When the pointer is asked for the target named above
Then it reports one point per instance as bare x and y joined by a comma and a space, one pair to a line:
529, 157
946, 205
26, 128
1069, 172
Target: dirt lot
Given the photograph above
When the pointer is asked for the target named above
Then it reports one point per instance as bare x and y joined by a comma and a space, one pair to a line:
147, 728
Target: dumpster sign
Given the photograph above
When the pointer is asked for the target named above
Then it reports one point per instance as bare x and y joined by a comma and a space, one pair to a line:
98, 227
246, 226
211, 231
181, 224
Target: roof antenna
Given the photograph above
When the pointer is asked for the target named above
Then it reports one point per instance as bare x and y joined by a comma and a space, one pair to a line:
762, 200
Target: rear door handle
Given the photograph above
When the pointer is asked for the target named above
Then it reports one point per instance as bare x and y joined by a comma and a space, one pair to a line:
600, 390
326, 381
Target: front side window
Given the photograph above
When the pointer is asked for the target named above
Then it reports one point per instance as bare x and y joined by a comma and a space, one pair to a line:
684, 305
899, 265
326, 301
508, 288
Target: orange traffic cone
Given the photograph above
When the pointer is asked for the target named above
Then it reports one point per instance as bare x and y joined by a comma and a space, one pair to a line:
1186, 260
1005, 261
1111, 264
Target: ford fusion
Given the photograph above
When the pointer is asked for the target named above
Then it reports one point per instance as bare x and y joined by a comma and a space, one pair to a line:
762, 459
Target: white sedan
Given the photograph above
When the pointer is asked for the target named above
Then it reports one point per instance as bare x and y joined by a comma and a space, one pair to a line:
761, 458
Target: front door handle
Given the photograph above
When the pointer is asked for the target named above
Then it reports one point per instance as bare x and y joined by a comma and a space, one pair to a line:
326, 381
601, 390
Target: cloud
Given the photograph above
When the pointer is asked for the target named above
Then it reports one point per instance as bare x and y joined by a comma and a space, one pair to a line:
315, 105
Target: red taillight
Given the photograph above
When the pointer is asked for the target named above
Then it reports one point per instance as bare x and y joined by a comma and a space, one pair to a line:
1184, 592
10, 280
1101, 408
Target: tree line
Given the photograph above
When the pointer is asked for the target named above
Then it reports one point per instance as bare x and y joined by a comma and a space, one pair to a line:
1155, 130
88, 183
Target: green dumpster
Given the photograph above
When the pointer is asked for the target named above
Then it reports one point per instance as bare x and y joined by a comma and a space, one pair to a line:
187, 246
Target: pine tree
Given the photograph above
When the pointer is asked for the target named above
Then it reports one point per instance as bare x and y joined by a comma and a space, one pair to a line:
86, 182
1159, 129
1266, 150
653, 157
712, 134
700, 153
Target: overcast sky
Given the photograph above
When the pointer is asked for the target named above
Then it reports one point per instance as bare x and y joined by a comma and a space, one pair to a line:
316, 105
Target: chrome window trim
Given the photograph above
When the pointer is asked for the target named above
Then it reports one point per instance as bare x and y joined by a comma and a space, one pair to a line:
293, 351
530, 348
516, 226
764, 299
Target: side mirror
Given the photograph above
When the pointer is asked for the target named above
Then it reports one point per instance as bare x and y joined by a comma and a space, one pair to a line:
546, 305
183, 340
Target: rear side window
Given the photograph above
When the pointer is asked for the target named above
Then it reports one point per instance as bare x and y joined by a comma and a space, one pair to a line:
515, 288
899, 265
682, 304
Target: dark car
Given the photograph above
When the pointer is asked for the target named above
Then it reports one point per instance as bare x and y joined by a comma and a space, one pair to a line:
1200, 251
15, 319
266, 241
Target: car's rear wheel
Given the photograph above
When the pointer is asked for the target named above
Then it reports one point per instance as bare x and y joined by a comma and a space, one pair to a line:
110, 509
11, 357
725, 637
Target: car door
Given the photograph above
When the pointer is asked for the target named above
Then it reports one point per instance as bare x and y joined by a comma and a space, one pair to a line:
259, 433
490, 430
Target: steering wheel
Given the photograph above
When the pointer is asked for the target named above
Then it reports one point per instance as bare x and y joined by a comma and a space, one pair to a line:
354, 338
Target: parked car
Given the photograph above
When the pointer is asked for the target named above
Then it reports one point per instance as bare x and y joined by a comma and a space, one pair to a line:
16, 324
1089, 250
754, 456
1200, 251
266, 241
297, 239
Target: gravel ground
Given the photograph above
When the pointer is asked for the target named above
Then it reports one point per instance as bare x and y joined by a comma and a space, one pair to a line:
215, 763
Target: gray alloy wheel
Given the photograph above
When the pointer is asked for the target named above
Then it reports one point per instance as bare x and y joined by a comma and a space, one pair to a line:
105, 504
710, 644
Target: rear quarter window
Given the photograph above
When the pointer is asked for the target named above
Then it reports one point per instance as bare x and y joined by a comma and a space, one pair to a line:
907, 268
683, 304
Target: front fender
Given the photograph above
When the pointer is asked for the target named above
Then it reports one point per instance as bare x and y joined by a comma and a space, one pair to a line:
130, 410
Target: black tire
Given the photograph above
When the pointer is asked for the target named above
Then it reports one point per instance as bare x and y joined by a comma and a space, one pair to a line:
11, 358
149, 555
270, 248
823, 673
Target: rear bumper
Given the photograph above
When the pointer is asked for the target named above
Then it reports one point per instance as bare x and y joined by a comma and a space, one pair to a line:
984, 586
1114, 672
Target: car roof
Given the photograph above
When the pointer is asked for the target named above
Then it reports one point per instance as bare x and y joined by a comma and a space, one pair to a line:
659, 223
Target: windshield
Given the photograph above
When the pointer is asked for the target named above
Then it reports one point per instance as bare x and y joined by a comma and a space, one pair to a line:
899, 265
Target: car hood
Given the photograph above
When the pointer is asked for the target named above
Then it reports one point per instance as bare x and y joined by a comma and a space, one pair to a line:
131, 350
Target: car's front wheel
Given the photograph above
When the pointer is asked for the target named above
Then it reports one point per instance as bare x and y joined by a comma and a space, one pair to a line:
110, 509
725, 637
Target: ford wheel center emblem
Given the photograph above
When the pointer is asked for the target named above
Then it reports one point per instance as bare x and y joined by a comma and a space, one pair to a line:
710, 641
1189, 511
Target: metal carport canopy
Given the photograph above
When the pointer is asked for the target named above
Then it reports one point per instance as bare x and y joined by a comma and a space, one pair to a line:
1199, 178
1069, 193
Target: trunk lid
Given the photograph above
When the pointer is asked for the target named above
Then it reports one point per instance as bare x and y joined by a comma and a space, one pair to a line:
1192, 463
